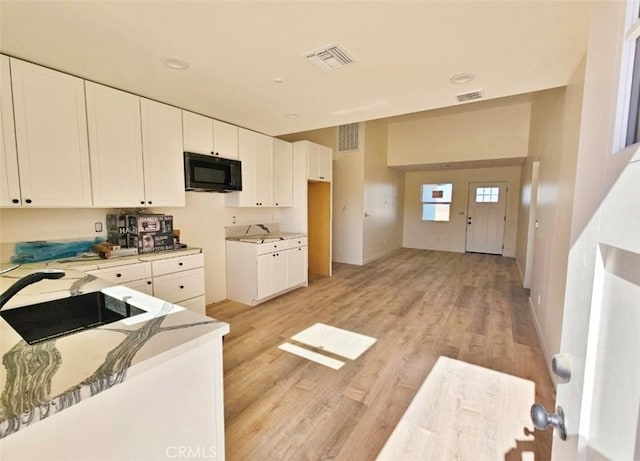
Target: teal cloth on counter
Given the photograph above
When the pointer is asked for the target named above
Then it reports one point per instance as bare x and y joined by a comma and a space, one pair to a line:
42, 250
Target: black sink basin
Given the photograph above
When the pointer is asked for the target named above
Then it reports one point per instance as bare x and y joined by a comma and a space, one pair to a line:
60, 317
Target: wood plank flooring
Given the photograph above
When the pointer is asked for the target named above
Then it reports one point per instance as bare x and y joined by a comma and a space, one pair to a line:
419, 305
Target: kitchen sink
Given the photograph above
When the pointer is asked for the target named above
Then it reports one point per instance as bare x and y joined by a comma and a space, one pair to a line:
61, 317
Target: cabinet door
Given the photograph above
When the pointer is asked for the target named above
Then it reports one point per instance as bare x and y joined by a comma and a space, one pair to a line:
325, 163
264, 171
225, 139
266, 264
197, 132
115, 147
247, 150
9, 182
297, 259
281, 271
162, 154
51, 137
282, 173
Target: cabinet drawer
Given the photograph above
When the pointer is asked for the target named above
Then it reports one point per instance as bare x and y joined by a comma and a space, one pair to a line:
181, 263
179, 286
272, 246
195, 304
123, 274
144, 285
299, 242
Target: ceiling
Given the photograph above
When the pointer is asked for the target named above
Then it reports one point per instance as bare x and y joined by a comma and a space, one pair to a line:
405, 53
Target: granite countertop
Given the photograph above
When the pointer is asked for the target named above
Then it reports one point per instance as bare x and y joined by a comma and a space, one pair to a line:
269, 237
37, 381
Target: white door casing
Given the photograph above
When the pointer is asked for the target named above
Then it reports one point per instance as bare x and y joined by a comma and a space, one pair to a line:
486, 217
601, 316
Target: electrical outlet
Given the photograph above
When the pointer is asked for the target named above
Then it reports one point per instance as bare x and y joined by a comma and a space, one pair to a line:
98, 226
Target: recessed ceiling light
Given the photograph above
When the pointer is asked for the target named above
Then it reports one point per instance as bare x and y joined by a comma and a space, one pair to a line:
175, 63
277, 80
292, 116
459, 79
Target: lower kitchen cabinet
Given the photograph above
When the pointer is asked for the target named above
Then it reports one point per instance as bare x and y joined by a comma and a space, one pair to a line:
175, 279
258, 272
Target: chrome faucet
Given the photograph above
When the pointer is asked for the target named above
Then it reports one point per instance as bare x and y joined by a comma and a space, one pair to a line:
28, 280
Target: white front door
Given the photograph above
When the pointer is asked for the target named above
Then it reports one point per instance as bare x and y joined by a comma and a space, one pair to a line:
486, 217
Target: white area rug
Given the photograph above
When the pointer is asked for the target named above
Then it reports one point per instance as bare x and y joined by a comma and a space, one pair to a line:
337, 341
464, 412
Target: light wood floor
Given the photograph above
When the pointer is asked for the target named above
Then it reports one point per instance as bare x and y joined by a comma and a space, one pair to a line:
419, 305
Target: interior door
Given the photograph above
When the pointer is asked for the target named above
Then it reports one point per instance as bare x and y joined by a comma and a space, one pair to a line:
601, 400
486, 217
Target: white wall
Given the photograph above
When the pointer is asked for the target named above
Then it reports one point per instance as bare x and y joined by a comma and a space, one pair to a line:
555, 119
451, 236
496, 129
383, 195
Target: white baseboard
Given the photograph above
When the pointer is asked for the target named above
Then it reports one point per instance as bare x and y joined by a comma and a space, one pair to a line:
380, 255
543, 346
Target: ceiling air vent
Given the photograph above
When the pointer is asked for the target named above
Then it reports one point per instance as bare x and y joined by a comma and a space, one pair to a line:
475, 94
348, 137
329, 58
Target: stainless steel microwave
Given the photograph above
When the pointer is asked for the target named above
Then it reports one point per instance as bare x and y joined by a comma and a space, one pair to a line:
205, 173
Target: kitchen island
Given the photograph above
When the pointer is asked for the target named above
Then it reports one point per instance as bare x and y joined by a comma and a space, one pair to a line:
146, 387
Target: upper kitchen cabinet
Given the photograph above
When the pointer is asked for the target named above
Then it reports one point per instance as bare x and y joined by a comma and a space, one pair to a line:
162, 154
319, 162
282, 173
115, 146
197, 132
267, 172
9, 181
204, 135
51, 137
225, 140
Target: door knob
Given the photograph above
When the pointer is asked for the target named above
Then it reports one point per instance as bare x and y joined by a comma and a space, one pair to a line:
542, 419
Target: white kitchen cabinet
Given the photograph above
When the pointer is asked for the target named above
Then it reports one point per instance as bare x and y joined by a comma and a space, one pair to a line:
297, 263
136, 276
319, 162
162, 154
282, 173
51, 137
180, 280
9, 181
197, 131
248, 153
258, 272
115, 147
225, 140
204, 135
264, 166
267, 172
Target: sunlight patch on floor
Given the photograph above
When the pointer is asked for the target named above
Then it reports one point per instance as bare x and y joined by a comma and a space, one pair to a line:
336, 341
463, 411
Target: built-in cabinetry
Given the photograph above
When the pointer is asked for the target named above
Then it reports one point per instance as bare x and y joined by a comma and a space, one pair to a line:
136, 156
175, 279
319, 162
204, 135
51, 138
136, 276
258, 272
267, 171
9, 181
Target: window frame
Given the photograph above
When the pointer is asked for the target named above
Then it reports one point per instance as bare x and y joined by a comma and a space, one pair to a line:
626, 79
435, 202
